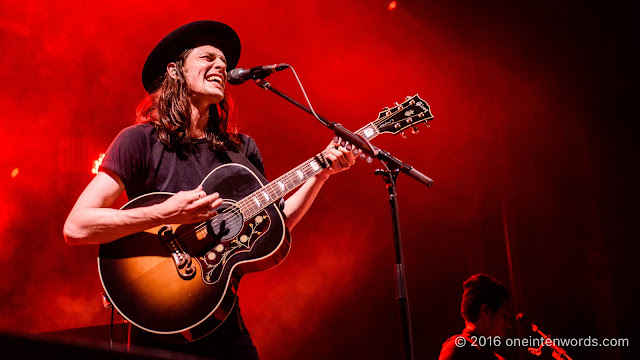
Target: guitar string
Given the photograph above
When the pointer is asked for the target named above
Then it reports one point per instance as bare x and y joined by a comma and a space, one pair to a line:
184, 238
289, 178
246, 203
235, 210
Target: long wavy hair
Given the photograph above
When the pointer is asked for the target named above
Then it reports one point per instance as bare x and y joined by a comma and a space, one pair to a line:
168, 109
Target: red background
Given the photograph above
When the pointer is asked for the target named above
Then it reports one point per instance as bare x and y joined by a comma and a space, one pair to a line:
533, 134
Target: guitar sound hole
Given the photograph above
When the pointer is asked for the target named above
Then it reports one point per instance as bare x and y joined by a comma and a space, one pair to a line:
227, 224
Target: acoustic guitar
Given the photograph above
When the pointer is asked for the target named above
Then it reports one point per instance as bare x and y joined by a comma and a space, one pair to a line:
179, 281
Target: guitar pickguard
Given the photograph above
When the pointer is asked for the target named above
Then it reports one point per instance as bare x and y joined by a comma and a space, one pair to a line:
215, 260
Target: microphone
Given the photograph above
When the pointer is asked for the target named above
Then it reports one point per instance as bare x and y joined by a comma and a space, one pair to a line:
238, 76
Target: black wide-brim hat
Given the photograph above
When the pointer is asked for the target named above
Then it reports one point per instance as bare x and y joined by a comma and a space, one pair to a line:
198, 33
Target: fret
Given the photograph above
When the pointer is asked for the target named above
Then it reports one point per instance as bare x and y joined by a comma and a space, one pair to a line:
368, 132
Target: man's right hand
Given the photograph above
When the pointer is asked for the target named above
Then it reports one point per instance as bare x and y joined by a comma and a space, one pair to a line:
187, 207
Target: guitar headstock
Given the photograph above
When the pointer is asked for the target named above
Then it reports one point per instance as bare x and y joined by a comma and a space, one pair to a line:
410, 113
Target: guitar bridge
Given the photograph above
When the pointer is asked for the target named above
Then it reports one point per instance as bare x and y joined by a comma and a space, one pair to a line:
183, 262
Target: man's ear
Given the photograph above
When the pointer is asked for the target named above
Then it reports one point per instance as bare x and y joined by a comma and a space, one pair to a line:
171, 70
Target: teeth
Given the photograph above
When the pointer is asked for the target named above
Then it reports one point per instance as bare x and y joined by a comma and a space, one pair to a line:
215, 78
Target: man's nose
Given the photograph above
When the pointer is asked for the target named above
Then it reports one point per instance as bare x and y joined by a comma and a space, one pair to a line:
220, 65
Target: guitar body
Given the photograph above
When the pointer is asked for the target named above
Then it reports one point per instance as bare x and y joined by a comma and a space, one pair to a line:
141, 276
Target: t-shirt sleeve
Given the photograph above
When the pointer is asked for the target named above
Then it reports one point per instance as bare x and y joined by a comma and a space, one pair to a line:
252, 153
126, 156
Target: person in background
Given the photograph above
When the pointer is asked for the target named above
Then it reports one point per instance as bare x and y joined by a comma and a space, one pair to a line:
487, 314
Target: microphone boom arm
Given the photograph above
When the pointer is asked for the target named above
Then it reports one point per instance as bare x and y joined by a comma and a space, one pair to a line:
355, 139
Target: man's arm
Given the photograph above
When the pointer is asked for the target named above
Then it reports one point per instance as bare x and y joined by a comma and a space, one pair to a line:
91, 221
297, 204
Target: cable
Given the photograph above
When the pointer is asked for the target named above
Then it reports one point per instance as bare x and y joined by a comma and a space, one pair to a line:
304, 93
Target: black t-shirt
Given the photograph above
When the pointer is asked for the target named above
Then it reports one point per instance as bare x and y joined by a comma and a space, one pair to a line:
145, 165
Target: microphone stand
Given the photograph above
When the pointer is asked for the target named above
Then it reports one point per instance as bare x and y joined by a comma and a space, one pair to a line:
393, 168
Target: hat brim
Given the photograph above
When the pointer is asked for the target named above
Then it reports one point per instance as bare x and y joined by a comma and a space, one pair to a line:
198, 33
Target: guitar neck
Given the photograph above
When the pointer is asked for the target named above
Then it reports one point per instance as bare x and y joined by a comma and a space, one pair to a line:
267, 195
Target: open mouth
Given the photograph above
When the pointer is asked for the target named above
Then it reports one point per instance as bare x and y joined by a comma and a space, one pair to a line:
215, 78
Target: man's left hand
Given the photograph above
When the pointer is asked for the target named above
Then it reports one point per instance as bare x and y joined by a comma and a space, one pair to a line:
341, 158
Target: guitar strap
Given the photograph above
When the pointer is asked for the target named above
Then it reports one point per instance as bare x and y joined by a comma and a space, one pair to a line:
239, 158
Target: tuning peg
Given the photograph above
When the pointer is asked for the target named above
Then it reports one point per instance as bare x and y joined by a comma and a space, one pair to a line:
407, 97
415, 129
403, 135
386, 108
369, 160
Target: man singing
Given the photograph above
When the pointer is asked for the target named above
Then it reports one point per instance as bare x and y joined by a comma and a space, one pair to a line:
183, 132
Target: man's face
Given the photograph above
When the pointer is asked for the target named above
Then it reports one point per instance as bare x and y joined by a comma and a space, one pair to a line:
205, 70
500, 321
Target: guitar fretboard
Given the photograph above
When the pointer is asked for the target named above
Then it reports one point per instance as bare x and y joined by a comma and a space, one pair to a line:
267, 195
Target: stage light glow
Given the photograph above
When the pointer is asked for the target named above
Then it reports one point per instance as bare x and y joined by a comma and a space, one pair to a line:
15, 172
96, 164
393, 5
